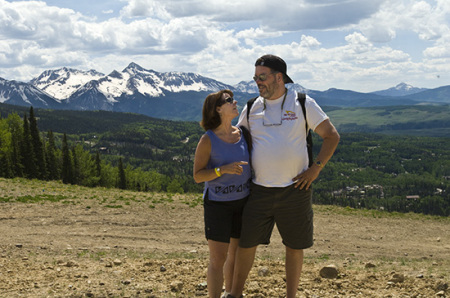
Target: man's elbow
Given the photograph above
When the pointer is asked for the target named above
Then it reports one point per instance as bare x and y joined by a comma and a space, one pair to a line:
337, 136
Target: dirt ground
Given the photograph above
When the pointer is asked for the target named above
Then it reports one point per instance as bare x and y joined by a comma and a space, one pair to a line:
109, 243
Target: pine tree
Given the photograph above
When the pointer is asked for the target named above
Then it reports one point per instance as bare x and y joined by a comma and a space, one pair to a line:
122, 179
76, 172
67, 168
5, 150
38, 151
15, 126
27, 152
98, 168
52, 164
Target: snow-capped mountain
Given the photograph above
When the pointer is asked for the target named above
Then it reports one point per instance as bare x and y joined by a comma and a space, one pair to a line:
23, 94
247, 87
89, 97
61, 83
149, 82
176, 95
251, 87
68, 84
400, 90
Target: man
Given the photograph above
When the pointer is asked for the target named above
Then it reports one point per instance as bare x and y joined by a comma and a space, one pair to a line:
280, 190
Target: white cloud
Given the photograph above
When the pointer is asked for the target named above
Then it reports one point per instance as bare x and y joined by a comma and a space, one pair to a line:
309, 41
353, 44
257, 33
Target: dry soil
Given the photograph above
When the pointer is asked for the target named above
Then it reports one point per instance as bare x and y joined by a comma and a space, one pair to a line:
66, 241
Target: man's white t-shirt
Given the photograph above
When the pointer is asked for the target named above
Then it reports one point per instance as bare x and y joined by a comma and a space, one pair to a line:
279, 137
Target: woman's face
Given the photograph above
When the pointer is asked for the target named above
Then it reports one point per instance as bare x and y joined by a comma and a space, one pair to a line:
228, 106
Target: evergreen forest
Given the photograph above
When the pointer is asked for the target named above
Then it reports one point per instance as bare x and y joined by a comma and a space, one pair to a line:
130, 151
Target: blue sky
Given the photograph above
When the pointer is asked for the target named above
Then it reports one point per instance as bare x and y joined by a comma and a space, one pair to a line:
361, 45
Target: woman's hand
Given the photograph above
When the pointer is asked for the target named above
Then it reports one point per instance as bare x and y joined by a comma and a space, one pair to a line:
234, 168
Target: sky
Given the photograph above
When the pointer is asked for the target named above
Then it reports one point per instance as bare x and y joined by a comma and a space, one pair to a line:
360, 45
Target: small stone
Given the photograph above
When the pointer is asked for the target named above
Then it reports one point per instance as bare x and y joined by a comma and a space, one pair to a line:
370, 265
397, 278
162, 268
117, 262
440, 294
263, 271
201, 286
329, 271
176, 286
19, 245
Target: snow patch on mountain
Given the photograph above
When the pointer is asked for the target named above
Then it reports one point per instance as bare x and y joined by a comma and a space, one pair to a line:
63, 82
399, 90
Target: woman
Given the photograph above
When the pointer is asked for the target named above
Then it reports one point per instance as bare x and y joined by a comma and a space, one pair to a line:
222, 162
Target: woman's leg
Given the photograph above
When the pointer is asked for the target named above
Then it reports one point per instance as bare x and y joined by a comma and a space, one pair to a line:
228, 269
217, 257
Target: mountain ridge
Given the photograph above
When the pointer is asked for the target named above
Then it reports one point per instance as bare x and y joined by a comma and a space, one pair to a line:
159, 94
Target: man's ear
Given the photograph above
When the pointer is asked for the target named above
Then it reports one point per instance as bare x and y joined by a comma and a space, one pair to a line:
280, 77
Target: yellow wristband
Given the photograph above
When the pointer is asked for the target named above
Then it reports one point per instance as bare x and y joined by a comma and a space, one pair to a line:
217, 170
319, 164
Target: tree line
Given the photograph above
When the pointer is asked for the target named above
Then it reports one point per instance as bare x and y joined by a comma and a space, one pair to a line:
25, 152
373, 171
401, 173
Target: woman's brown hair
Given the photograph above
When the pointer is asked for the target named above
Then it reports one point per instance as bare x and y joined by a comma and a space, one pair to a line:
210, 117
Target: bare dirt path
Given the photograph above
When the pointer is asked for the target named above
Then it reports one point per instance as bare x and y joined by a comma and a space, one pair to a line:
110, 243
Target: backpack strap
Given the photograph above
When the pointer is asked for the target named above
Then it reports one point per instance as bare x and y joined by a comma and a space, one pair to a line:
249, 106
309, 143
301, 97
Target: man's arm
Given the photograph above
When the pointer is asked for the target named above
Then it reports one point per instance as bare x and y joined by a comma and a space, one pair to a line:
330, 136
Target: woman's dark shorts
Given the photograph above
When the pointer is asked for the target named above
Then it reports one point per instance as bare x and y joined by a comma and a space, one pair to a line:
223, 220
287, 207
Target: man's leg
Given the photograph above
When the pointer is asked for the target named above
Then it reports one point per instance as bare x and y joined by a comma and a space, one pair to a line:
293, 266
242, 267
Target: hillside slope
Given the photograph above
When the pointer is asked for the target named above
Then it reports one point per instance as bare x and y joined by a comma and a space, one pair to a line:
62, 240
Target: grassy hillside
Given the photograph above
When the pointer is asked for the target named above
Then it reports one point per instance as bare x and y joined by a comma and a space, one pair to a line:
368, 169
419, 120
423, 120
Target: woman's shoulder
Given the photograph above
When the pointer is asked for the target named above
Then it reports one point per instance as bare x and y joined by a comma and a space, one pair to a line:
205, 139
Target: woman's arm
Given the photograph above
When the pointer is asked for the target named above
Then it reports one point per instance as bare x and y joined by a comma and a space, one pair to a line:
202, 155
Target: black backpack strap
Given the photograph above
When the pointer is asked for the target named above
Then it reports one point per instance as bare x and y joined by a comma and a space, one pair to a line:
302, 98
247, 137
249, 106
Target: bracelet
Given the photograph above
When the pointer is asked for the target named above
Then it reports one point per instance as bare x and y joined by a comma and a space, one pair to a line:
217, 170
319, 164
